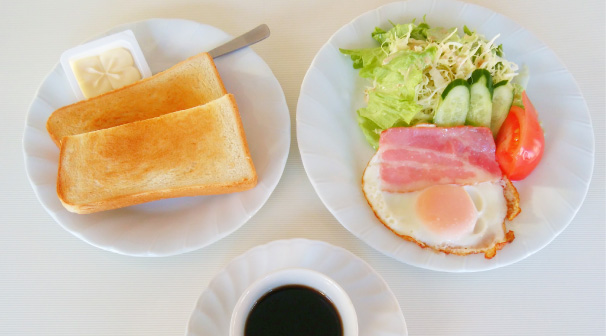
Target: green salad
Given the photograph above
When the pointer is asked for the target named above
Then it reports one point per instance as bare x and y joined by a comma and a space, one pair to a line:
420, 74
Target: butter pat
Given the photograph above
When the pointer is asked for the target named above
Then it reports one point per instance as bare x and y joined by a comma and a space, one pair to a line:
111, 70
104, 65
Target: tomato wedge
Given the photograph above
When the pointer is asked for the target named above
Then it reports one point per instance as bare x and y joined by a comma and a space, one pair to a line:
520, 142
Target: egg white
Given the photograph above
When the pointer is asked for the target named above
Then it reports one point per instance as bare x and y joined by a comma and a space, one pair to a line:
398, 212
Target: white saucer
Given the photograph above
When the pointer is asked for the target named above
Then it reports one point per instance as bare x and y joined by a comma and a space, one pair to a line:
377, 308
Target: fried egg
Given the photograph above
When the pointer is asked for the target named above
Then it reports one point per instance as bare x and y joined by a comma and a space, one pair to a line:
451, 218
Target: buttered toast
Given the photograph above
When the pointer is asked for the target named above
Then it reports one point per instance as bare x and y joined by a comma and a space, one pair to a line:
197, 151
190, 83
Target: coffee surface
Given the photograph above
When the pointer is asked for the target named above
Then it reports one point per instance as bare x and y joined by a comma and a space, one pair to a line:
294, 310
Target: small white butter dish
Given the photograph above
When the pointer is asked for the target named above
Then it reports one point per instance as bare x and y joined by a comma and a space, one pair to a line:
104, 65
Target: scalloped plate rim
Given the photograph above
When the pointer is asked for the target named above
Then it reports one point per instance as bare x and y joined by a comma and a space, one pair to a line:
308, 244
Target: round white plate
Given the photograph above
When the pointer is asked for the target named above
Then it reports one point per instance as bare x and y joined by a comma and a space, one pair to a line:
335, 153
179, 225
377, 308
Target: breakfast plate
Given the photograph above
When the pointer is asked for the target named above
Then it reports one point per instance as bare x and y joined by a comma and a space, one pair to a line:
335, 153
171, 226
376, 306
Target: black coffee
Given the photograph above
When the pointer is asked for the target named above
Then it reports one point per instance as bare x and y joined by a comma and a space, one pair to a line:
293, 310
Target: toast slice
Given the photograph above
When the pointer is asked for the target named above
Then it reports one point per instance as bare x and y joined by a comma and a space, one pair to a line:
190, 83
198, 151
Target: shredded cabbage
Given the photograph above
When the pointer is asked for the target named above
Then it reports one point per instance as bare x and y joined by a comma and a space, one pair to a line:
457, 57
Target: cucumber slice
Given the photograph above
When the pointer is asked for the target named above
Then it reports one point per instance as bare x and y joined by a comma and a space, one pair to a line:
480, 102
502, 98
454, 104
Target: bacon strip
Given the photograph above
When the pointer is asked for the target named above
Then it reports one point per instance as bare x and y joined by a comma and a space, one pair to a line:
414, 158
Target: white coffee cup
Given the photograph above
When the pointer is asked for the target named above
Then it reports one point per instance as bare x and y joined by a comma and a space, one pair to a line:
295, 276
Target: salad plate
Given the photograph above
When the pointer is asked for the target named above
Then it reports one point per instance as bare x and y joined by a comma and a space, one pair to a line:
170, 226
376, 306
335, 153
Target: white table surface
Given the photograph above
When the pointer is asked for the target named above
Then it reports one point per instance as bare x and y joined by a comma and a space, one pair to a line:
52, 283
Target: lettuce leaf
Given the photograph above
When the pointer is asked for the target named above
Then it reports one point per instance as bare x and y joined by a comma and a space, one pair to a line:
395, 75
366, 59
379, 34
382, 112
391, 102
420, 32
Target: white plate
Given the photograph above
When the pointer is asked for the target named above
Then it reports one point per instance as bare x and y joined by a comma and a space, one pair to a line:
377, 308
179, 225
335, 153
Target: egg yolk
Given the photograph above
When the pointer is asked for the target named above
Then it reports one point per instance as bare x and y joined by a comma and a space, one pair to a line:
447, 210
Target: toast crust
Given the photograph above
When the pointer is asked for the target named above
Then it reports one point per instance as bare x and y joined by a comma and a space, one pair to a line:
192, 82
198, 151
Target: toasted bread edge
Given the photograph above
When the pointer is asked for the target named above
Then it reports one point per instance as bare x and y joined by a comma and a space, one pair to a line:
52, 127
144, 197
